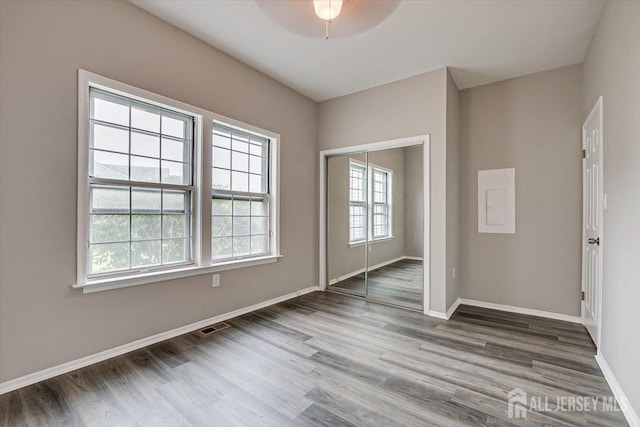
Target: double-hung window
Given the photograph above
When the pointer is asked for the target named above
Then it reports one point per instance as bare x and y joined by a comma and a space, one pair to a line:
370, 202
142, 196
357, 202
240, 206
140, 185
381, 203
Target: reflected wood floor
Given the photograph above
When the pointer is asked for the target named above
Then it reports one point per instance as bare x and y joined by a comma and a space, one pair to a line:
330, 360
397, 283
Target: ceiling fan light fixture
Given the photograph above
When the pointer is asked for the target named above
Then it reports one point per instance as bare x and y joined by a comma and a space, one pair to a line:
327, 9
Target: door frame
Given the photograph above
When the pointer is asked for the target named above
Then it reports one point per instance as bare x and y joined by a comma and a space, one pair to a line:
597, 109
425, 140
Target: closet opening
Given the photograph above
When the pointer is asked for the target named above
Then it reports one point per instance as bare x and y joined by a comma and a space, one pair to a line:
374, 228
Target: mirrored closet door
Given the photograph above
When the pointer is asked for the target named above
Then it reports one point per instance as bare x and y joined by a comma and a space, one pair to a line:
347, 223
375, 225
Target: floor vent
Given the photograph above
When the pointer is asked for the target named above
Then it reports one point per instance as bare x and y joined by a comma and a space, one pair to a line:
214, 328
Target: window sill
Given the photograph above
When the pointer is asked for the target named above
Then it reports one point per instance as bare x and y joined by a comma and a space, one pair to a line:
100, 285
378, 240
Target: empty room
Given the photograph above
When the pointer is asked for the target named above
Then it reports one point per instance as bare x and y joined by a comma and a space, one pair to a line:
319, 213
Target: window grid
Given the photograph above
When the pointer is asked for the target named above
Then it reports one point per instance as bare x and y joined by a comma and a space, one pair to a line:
240, 226
138, 233
357, 221
136, 147
239, 161
357, 183
118, 178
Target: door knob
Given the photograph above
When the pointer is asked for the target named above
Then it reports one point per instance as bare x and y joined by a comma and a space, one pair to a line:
595, 241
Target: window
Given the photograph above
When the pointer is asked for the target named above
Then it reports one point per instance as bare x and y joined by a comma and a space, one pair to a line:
369, 206
240, 194
357, 202
381, 203
140, 185
141, 199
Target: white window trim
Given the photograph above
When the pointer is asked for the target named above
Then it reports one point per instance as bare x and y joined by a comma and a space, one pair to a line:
176, 273
201, 215
369, 203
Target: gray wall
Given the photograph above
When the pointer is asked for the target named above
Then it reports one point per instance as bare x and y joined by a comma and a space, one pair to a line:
612, 70
532, 124
408, 107
341, 258
42, 44
413, 201
453, 190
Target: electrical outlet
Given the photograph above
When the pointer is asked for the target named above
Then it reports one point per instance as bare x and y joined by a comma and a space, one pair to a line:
454, 272
215, 280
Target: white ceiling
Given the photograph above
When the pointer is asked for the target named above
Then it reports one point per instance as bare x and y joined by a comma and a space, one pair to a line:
482, 41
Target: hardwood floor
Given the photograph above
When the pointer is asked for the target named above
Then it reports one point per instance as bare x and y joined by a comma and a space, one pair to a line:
399, 283
330, 360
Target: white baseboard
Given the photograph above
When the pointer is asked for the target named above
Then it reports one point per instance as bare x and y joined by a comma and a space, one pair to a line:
447, 315
362, 270
520, 310
44, 374
628, 411
453, 308
438, 314
382, 264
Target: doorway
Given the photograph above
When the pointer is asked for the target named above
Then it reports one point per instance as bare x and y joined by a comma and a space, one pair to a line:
374, 220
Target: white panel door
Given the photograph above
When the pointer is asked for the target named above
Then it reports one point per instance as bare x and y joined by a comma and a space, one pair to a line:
592, 211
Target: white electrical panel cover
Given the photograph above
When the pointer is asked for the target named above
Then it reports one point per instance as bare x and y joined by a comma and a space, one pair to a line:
497, 201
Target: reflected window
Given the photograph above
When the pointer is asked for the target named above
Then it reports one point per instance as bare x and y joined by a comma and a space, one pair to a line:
369, 205
381, 204
357, 202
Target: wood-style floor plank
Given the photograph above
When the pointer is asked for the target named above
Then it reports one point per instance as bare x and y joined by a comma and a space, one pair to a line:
325, 359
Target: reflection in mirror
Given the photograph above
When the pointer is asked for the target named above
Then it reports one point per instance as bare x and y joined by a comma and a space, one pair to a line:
347, 225
375, 225
394, 269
